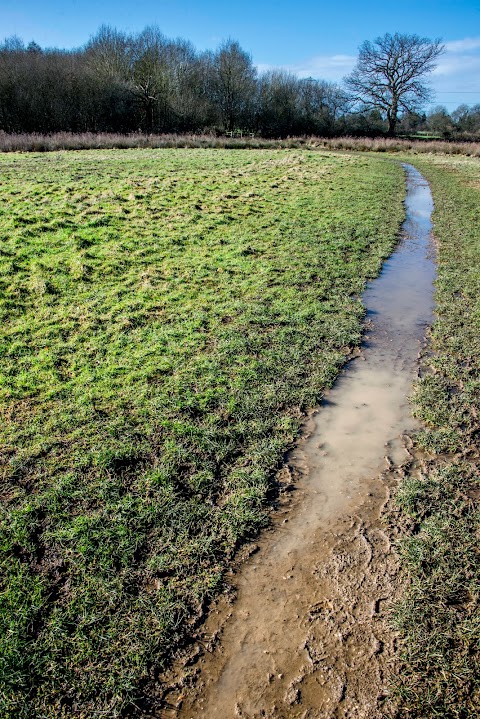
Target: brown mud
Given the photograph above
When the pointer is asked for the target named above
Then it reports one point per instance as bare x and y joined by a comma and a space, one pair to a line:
307, 634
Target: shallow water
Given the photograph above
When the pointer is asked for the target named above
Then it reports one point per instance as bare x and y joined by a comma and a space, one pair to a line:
305, 630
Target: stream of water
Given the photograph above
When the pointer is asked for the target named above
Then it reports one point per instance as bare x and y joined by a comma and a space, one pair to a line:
304, 638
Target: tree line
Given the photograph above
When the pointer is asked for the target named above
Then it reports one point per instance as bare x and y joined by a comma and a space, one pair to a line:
121, 82
145, 82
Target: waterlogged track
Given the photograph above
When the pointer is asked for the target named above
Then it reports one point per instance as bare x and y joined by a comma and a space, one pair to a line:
306, 636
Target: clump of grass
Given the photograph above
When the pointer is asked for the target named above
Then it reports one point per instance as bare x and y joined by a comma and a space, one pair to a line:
439, 616
166, 318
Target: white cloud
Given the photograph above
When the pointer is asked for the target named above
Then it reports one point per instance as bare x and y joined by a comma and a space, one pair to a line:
459, 65
468, 43
323, 67
326, 67
456, 78
265, 67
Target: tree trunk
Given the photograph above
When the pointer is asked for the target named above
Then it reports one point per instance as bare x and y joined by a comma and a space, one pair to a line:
150, 113
392, 117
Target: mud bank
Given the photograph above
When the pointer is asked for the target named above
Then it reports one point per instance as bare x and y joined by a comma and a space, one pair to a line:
306, 635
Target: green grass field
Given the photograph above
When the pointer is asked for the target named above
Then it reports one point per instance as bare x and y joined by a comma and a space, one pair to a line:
439, 616
167, 318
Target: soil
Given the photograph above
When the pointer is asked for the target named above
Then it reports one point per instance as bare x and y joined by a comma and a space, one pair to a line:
304, 630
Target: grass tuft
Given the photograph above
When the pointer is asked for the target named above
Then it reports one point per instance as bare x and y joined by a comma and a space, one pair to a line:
439, 616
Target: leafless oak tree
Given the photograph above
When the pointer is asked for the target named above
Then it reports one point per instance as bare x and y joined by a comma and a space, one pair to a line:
390, 74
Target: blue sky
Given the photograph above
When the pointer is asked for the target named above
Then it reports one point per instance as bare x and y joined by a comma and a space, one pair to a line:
318, 39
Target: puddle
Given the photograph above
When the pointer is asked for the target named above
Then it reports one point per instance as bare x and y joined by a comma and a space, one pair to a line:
306, 636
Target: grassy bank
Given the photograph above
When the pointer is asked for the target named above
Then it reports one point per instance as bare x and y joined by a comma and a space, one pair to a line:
166, 318
440, 614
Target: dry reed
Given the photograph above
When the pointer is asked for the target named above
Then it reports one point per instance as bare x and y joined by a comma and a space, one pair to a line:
89, 141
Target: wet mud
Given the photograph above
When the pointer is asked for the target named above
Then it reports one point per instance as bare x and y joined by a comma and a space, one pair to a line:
307, 634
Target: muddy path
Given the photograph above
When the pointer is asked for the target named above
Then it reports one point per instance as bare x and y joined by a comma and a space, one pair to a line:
307, 634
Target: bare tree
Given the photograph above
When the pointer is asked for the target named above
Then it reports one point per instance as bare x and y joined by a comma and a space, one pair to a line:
140, 63
234, 83
467, 119
320, 105
278, 96
390, 74
440, 122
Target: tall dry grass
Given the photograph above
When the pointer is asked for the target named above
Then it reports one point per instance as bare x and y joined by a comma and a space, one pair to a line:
89, 141
384, 144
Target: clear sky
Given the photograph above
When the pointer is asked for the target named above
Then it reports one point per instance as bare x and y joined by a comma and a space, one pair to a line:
311, 38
